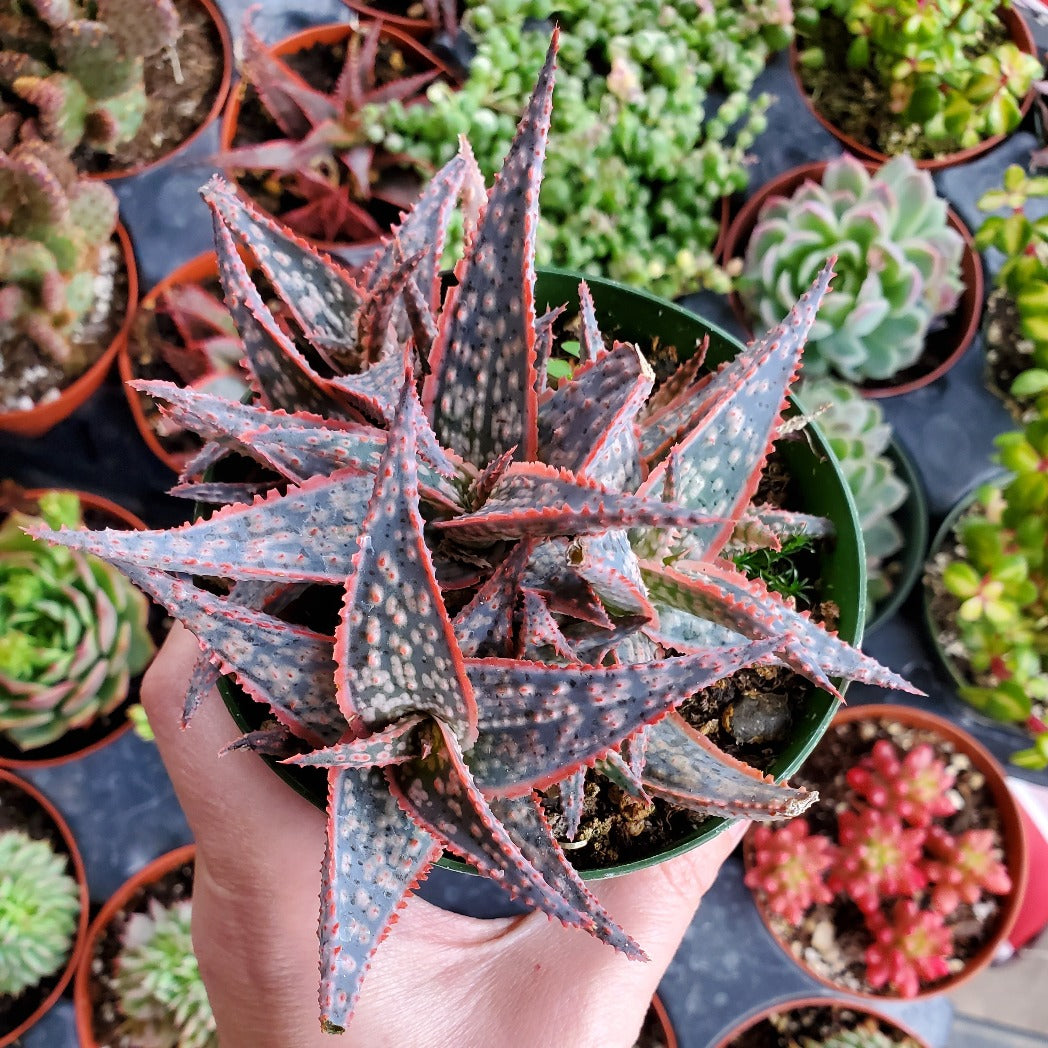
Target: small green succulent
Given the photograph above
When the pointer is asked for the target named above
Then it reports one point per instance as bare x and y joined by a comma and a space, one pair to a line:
867, 1035
39, 910
641, 149
859, 435
1001, 583
157, 981
898, 265
947, 71
1022, 237
72, 630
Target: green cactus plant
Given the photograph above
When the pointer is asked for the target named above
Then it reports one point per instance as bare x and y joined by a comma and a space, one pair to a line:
72, 630
898, 268
859, 435
945, 73
55, 230
157, 981
75, 67
39, 910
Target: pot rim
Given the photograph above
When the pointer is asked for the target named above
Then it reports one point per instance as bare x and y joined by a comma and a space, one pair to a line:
80, 875
1013, 846
969, 306
148, 874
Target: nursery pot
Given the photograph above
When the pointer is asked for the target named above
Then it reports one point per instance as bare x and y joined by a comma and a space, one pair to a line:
660, 1019
1020, 35
79, 742
1013, 846
912, 519
326, 36
946, 346
37, 420
220, 29
636, 316
86, 990
67, 844
419, 27
861, 1011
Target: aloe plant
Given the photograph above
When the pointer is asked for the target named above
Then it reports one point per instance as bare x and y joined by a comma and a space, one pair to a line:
574, 532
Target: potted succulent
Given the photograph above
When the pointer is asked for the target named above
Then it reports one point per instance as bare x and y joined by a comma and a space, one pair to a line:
911, 871
302, 134
43, 906
73, 633
941, 81
1016, 326
820, 1022
907, 302
655, 117
469, 553
884, 484
138, 982
119, 85
67, 277
182, 332
985, 589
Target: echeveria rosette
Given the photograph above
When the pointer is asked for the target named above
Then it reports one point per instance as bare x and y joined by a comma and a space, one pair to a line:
156, 978
898, 265
39, 911
73, 630
559, 524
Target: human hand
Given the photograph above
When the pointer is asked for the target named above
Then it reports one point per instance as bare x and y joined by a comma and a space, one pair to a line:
439, 980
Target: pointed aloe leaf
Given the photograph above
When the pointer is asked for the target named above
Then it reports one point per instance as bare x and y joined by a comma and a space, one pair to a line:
321, 296
376, 335
373, 391
421, 324
276, 742
614, 766
486, 623
526, 824
566, 592
540, 722
482, 393
219, 494
440, 794
532, 500
686, 633
728, 598
587, 424
289, 668
572, 797
686, 769
544, 349
481, 488
395, 645
785, 523
374, 857
607, 562
635, 750
281, 373
591, 341
539, 630
592, 644
677, 402
397, 744
308, 535
721, 458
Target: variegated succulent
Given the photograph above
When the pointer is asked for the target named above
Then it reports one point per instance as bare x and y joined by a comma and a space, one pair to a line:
523, 582
899, 264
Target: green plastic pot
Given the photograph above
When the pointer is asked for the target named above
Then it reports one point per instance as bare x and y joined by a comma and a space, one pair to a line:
636, 316
912, 519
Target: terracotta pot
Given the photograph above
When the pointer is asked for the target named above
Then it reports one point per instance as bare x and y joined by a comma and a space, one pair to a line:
79, 742
325, 35
952, 342
419, 28
1020, 35
11, 1036
82, 995
214, 13
39, 419
669, 1035
817, 1002
1013, 844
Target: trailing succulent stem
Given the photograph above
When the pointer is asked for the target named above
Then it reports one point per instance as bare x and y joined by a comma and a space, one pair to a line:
525, 581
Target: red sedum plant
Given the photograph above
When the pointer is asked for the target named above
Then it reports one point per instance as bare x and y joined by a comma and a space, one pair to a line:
915, 786
526, 581
789, 867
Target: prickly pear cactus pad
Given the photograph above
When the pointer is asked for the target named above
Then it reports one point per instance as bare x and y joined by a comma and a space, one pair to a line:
525, 580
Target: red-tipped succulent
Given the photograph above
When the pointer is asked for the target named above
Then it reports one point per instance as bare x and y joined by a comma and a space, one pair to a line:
789, 865
420, 460
916, 786
964, 868
909, 950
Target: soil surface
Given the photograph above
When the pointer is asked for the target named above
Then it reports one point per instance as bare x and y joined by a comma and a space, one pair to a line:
832, 937
1008, 351
18, 811
789, 1029
856, 102
177, 102
29, 377
171, 888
